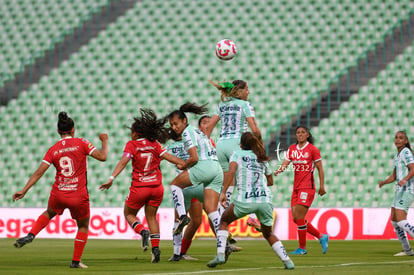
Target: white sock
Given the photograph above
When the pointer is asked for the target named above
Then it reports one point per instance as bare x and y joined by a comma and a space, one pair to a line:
253, 216
402, 236
222, 236
178, 199
407, 227
280, 251
215, 219
220, 209
177, 240
229, 192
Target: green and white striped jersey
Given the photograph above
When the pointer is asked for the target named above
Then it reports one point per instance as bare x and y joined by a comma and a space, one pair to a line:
233, 114
250, 180
194, 137
401, 161
177, 149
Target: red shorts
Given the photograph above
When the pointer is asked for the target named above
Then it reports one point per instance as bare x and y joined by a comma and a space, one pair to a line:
140, 196
303, 197
78, 205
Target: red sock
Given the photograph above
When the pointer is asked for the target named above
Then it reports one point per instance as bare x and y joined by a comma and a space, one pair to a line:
185, 245
41, 222
155, 240
80, 242
313, 231
302, 229
138, 228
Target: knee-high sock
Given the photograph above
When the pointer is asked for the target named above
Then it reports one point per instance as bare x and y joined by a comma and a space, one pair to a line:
155, 240
185, 245
80, 242
302, 229
177, 240
41, 222
407, 227
178, 199
137, 226
280, 251
312, 230
215, 219
222, 236
402, 236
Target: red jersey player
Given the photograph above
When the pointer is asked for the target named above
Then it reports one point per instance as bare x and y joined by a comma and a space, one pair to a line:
146, 187
305, 157
69, 190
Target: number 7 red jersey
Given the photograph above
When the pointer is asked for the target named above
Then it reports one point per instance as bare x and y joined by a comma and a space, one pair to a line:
303, 161
68, 156
146, 159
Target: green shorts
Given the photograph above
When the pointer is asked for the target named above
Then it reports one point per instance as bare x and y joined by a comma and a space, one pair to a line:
263, 211
225, 148
193, 192
208, 173
402, 200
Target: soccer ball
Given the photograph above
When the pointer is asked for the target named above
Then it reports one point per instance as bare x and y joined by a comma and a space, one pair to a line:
225, 49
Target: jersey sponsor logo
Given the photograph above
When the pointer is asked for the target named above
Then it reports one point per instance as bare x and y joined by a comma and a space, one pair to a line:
230, 108
296, 154
255, 194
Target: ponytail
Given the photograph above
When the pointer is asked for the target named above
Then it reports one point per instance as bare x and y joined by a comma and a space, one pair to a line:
65, 123
248, 141
188, 108
229, 89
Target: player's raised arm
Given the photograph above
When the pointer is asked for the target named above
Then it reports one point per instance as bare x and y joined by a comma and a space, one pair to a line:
102, 154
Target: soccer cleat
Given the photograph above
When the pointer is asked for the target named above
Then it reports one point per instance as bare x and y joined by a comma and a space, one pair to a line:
219, 259
254, 223
324, 242
405, 253
145, 239
227, 253
182, 221
230, 239
156, 253
188, 257
76, 264
289, 264
299, 251
24, 240
174, 258
235, 248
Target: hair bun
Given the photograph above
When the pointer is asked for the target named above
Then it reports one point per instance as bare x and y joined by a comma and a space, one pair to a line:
63, 116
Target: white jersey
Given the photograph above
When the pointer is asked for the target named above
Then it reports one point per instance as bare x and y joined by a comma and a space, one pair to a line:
233, 114
250, 180
401, 161
193, 137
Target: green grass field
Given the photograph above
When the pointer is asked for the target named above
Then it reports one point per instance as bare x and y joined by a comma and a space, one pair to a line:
52, 256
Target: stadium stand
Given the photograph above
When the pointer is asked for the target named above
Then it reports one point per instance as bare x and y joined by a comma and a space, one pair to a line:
28, 28
160, 55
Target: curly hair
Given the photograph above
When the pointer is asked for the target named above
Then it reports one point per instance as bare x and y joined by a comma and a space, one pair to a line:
149, 127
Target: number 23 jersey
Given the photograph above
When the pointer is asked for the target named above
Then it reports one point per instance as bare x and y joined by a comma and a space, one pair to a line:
68, 156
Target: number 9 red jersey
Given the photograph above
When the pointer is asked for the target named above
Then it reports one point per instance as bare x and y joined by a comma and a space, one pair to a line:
69, 158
